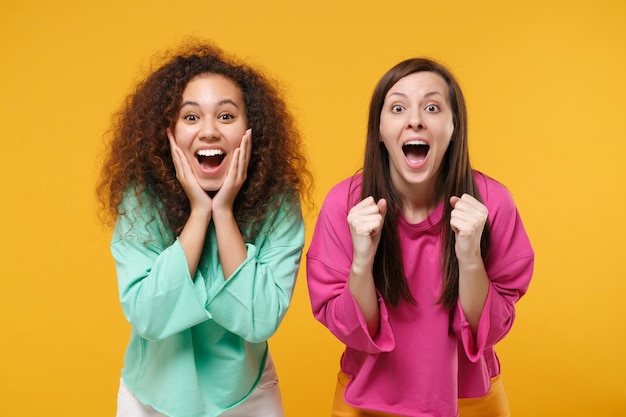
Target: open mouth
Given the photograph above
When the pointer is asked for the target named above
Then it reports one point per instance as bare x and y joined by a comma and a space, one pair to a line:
210, 159
415, 151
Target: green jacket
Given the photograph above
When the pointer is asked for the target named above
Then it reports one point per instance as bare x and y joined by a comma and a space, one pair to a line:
198, 346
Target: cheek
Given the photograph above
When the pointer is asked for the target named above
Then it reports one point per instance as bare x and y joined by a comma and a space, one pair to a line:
182, 134
177, 131
448, 130
386, 127
235, 135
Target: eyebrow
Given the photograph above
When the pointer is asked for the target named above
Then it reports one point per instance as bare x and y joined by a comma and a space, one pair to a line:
429, 94
219, 103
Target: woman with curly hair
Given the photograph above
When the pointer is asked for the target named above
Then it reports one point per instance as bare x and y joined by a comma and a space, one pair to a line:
203, 178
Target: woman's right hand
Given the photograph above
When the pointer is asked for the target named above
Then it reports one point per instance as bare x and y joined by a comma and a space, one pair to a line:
199, 199
192, 236
366, 221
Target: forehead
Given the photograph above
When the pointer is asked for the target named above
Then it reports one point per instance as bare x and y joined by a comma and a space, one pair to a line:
213, 84
420, 83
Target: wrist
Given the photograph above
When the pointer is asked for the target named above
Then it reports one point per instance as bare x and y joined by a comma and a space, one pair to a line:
361, 267
222, 214
200, 214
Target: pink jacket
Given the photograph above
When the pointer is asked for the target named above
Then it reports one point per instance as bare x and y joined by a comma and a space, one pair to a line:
423, 357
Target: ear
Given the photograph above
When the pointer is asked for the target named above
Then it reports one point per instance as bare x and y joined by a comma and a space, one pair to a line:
170, 135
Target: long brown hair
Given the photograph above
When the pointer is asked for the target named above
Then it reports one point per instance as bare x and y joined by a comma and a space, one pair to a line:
138, 156
455, 177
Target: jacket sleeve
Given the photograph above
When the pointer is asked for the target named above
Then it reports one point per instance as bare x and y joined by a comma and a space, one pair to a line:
157, 294
328, 266
509, 266
254, 300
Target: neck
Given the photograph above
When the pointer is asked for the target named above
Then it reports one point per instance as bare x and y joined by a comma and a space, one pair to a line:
418, 202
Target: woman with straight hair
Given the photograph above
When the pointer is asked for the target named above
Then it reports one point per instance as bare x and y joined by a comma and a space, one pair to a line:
416, 262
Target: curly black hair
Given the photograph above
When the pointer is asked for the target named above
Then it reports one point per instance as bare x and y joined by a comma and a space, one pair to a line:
138, 152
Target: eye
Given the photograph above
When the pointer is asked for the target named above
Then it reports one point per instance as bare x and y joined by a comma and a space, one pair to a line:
396, 108
225, 116
191, 117
432, 108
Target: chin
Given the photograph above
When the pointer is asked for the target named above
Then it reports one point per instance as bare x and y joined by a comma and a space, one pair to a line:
211, 186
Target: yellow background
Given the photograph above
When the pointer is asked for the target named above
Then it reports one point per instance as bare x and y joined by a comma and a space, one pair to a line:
544, 82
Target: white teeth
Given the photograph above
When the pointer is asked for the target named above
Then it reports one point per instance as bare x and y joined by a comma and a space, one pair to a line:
210, 152
416, 142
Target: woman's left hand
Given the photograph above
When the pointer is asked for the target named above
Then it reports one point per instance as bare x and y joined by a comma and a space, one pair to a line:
467, 220
235, 177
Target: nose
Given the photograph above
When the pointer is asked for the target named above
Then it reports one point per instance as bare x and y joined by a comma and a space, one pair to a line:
209, 129
415, 121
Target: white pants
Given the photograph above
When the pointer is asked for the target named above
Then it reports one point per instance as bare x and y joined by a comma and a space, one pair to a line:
265, 400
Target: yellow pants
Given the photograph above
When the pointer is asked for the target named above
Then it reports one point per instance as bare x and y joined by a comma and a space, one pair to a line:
494, 404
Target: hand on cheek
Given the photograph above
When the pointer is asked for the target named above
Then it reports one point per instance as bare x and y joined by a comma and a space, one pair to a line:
198, 198
236, 175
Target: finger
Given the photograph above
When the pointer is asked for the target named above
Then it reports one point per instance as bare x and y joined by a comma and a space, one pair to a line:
467, 223
370, 224
248, 143
181, 163
468, 198
239, 164
172, 140
471, 208
461, 212
368, 211
366, 202
382, 207
471, 201
170, 135
176, 157
245, 153
367, 228
234, 165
